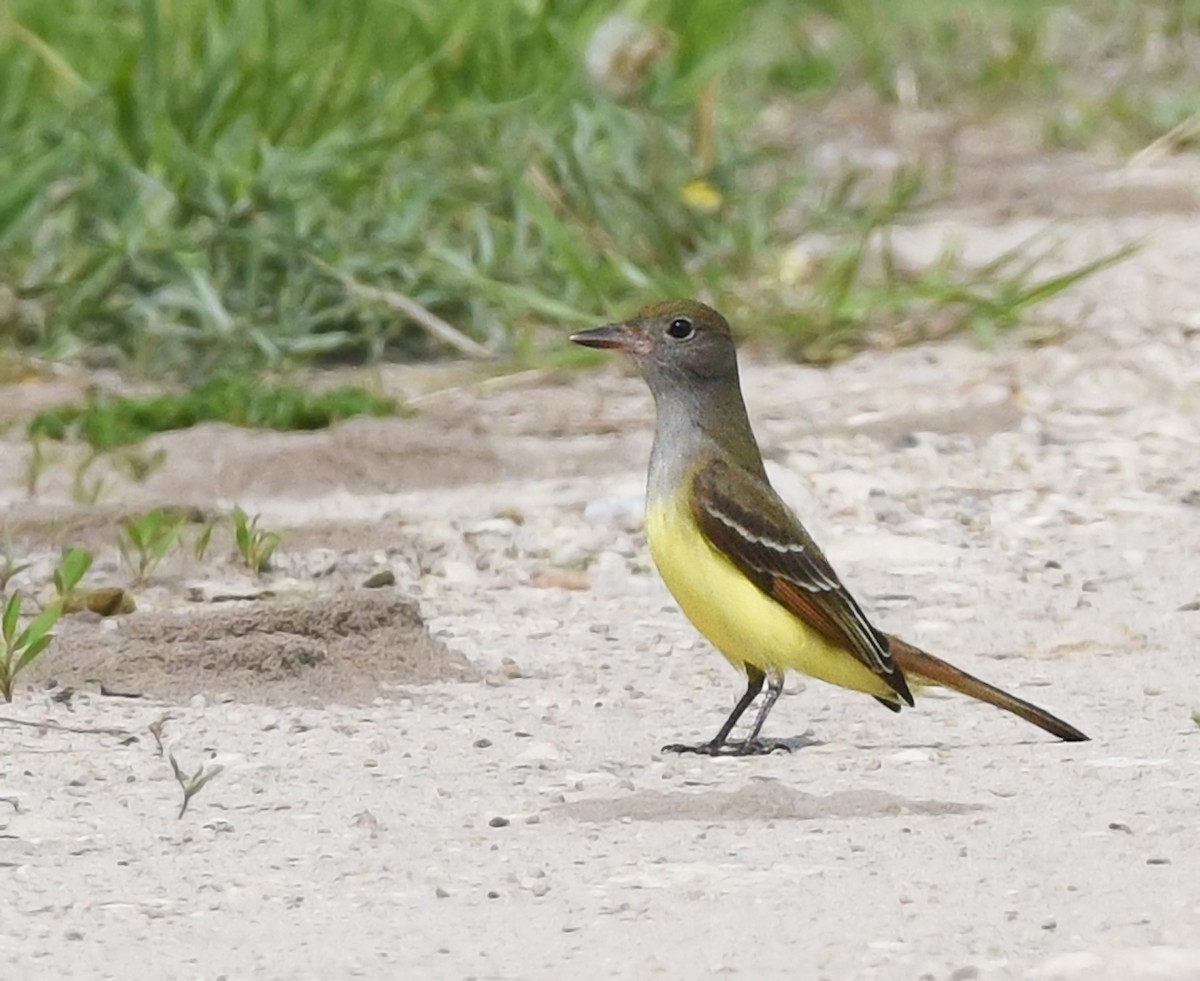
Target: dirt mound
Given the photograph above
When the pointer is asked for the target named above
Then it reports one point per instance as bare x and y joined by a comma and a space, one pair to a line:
344, 648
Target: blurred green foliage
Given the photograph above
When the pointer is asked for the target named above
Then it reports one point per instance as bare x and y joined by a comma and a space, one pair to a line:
109, 422
178, 178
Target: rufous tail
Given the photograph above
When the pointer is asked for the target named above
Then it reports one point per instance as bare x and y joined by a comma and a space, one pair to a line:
923, 668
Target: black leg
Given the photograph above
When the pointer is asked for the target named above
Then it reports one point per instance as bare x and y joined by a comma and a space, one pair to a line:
753, 746
754, 683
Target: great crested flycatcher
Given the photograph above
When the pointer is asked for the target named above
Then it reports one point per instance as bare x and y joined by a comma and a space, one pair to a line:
737, 560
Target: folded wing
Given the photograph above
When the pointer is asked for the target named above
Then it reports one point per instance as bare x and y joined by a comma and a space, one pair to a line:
745, 520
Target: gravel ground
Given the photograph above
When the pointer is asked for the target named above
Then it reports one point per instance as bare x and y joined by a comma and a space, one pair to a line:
492, 803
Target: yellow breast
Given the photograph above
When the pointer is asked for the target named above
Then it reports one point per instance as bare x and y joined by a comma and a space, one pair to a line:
741, 621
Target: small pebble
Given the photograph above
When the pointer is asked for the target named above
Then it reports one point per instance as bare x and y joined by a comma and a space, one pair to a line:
537, 752
492, 526
110, 601
498, 822
603, 510
569, 579
910, 756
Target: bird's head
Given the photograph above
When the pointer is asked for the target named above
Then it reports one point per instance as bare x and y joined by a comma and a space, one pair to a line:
673, 343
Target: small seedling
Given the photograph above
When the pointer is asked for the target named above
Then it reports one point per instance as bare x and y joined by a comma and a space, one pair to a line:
144, 541
254, 544
83, 490
9, 566
20, 648
138, 465
195, 783
36, 465
157, 728
203, 540
72, 567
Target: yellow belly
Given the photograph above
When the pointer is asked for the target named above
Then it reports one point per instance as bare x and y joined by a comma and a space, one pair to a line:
740, 620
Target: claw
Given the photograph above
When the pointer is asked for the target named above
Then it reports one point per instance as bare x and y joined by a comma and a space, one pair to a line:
710, 748
759, 747
752, 747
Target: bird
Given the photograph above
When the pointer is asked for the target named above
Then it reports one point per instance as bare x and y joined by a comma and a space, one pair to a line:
738, 561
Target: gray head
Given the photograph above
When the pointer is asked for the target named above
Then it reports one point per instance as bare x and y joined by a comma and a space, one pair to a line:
680, 346
686, 354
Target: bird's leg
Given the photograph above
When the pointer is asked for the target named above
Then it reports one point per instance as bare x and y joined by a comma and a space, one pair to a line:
753, 746
754, 683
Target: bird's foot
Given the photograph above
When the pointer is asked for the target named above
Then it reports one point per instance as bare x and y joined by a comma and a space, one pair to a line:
710, 748
750, 747
760, 747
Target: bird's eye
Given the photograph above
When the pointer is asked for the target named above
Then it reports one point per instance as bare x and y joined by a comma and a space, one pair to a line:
681, 329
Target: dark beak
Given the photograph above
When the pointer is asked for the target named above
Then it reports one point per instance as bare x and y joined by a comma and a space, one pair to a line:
619, 337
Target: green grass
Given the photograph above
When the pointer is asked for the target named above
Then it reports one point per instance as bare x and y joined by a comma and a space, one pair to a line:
178, 192
106, 422
145, 539
255, 544
857, 288
192, 187
21, 645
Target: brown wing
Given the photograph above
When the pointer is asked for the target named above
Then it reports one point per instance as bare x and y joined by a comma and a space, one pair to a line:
745, 519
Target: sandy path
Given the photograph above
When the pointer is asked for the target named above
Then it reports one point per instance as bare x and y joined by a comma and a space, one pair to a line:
1030, 513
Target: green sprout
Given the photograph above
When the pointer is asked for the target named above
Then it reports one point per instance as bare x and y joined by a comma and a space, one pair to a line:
255, 545
36, 465
192, 785
204, 539
10, 566
71, 568
20, 647
144, 541
83, 490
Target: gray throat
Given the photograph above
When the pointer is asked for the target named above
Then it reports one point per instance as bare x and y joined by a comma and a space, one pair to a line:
696, 425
